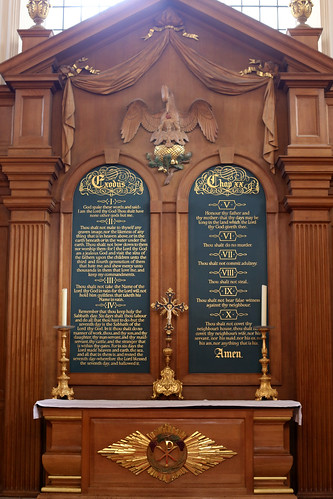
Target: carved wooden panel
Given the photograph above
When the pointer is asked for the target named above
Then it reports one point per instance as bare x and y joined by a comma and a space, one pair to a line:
62, 456
32, 118
308, 123
307, 106
74, 438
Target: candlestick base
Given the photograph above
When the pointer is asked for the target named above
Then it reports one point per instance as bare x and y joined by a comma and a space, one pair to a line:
63, 391
265, 391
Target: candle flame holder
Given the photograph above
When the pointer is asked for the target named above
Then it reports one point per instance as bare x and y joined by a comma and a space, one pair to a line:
63, 391
265, 391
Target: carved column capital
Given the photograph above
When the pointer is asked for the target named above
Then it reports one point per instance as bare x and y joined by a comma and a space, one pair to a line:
32, 113
30, 182
309, 185
308, 130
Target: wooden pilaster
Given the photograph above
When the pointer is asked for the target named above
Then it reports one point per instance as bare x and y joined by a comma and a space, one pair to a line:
30, 203
309, 204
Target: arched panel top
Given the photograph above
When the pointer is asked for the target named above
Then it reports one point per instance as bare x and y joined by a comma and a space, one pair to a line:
76, 175
264, 176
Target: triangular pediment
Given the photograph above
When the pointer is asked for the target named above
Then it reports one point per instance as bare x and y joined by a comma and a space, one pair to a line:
138, 16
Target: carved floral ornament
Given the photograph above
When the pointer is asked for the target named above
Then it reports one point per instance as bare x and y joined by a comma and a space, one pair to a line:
216, 78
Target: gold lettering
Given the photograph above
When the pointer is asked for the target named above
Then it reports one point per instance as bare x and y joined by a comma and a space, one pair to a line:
109, 252
97, 180
227, 354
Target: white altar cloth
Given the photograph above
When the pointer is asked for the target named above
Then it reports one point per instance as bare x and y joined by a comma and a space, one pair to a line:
174, 404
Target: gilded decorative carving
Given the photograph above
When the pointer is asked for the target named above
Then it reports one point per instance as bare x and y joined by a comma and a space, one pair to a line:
169, 20
168, 129
68, 71
38, 11
167, 453
261, 68
301, 10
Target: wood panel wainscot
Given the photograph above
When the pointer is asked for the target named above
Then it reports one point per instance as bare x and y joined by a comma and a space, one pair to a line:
167, 448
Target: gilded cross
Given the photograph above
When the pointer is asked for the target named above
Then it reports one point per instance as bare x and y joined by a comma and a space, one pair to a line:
169, 306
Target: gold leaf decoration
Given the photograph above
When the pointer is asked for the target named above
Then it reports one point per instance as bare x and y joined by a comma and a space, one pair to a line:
203, 453
167, 453
130, 452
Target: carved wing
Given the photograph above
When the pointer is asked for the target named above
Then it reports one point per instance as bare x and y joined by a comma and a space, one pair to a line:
200, 113
138, 114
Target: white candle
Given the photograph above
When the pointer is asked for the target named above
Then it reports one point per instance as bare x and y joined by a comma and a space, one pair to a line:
264, 305
64, 307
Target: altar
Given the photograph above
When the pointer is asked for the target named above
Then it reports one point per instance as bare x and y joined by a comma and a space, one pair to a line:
215, 448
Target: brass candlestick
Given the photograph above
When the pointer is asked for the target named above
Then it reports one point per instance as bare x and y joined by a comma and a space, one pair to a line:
63, 391
265, 391
168, 385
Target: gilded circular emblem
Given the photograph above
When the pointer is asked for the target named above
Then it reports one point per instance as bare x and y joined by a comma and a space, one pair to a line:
167, 453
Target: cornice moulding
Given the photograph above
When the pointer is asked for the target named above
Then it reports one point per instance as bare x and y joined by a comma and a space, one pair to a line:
221, 16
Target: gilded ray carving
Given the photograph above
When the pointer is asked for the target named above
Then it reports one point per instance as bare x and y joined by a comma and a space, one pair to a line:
167, 453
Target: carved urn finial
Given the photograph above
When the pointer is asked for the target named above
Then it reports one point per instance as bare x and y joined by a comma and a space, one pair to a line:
38, 11
301, 10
